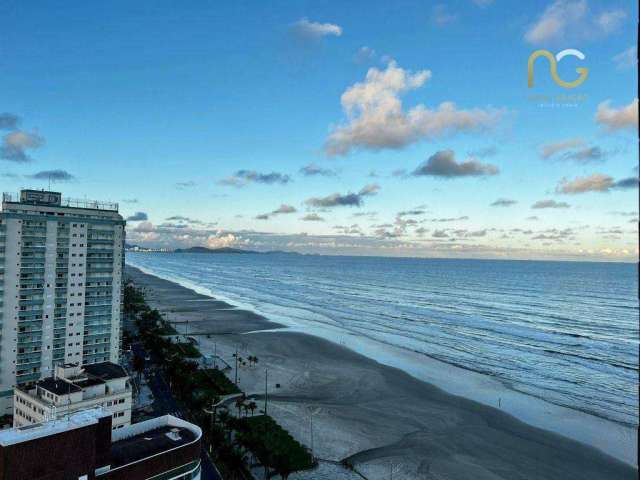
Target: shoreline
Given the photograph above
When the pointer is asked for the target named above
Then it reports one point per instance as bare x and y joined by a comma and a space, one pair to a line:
617, 439
372, 441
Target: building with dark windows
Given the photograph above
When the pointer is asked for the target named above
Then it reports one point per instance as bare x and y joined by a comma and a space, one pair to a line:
83, 446
61, 263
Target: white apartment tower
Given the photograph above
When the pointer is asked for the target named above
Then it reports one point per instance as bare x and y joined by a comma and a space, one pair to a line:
61, 286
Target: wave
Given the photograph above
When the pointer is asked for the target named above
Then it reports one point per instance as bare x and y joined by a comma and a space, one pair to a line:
449, 317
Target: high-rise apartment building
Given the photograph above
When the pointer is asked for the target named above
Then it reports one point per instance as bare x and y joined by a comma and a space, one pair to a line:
61, 286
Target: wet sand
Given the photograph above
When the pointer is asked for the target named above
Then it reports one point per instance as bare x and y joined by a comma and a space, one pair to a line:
378, 417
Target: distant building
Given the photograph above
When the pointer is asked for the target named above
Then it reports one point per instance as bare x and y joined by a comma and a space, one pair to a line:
74, 388
61, 264
84, 447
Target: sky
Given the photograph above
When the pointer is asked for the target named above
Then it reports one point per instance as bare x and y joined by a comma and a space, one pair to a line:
402, 128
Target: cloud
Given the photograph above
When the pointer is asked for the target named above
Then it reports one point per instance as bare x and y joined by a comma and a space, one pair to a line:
554, 234
626, 183
244, 177
483, 3
390, 243
489, 151
585, 155
15, 144
312, 217
312, 170
618, 119
450, 219
346, 200
138, 217
375, 119
624, 214
53, 175
364, 54
192, 221
533, 218
439, 234
441, 16
596, 182
549, 204
443, 164
572, 20
551, 149
626, 59
9, 121
503, 202
370, 189
220, 241
610, 20
282, 209
306, 30
186, 184
130, 200
415, 212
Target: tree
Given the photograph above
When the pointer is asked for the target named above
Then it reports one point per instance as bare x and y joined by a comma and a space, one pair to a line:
282, 466
239, 404
138, 365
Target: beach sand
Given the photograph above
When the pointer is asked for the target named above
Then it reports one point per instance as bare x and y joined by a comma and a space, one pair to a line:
378, 417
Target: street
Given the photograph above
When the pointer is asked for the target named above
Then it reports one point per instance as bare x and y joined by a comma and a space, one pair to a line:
165, 404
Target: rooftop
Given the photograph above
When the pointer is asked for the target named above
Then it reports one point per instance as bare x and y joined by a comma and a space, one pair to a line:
105, 371
58, 386
12, 436
149, 443
55, 199
73, 378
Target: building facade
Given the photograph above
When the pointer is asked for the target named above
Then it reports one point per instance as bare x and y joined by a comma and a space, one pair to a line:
83, 446
74, 388
61, 276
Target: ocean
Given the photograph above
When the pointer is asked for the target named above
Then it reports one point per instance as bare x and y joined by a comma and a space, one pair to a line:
563, 332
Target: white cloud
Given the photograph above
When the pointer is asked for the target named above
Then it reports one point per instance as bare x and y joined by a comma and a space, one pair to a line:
441, 16
219, 241
365, 54
596, 182
611, 20
15, 144
571, 20
626, 59
551, 149
618, 119
376, 120
314, 30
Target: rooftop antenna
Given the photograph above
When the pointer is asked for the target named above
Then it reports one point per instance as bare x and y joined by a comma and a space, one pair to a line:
49, 182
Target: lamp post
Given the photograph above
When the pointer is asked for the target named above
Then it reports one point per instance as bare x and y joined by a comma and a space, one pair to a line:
312, 412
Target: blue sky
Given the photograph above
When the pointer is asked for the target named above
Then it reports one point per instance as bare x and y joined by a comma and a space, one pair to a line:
188, 110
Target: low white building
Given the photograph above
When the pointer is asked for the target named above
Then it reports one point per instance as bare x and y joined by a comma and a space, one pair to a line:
74, 388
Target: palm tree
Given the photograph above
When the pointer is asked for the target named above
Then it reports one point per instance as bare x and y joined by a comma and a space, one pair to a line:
224, 419
282, 466
234, 459
239, 404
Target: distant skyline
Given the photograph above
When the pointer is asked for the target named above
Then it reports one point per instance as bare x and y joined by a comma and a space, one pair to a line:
357, 128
